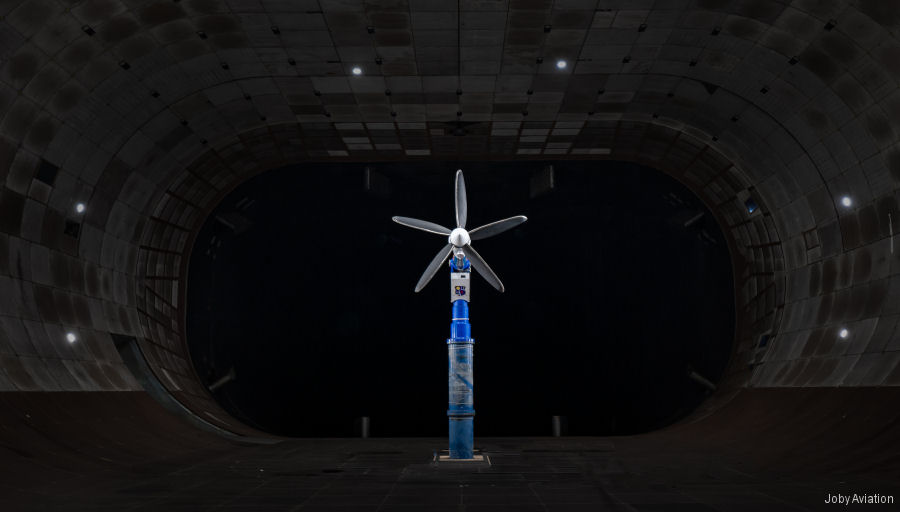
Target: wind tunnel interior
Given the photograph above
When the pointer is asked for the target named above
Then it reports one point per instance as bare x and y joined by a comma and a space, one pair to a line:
620, 294
124, 124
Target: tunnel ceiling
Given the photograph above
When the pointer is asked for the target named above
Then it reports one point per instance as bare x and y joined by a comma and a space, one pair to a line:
149, 112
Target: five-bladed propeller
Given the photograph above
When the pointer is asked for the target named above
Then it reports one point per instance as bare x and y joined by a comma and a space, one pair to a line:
461, 239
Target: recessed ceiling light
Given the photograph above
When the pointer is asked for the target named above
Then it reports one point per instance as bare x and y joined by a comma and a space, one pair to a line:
71, 338
80, 207
751, 205
846, 201
356, 70
561, 64
844, 333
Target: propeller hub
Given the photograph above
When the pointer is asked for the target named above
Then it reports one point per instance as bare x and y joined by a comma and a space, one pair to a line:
459, 237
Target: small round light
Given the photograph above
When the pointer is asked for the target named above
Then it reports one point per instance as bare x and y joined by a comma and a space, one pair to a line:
846, 201
561, 64
71, 338
356, 70
844, 333
80, 207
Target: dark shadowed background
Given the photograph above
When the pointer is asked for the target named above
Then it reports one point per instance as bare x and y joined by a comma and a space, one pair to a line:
301, 283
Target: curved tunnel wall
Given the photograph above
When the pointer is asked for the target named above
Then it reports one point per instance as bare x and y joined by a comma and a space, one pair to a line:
151, 111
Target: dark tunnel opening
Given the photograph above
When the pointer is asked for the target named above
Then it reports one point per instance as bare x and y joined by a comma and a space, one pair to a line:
618, 288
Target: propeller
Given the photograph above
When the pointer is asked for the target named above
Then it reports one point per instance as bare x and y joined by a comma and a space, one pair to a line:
482, 267
423, 225
460, 239
434, 266
462, 204
497, 227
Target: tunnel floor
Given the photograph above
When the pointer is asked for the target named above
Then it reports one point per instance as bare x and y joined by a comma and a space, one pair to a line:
526, 474
764, 449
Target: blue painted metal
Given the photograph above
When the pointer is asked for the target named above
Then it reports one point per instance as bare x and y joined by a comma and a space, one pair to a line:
460, 381
460, 328
467, 265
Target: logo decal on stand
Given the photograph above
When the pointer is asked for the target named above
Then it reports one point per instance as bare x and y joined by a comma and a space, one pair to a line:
459, 290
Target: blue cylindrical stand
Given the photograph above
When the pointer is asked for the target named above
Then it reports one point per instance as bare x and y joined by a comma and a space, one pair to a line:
460, 382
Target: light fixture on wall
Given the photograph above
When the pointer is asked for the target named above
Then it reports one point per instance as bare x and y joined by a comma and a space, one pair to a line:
80, 207
71, 338
751, 205
846, 201
844, 334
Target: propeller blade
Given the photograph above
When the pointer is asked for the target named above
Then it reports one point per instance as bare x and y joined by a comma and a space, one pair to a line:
495, 228
461, 203
423, 225
434, 266
482, 267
